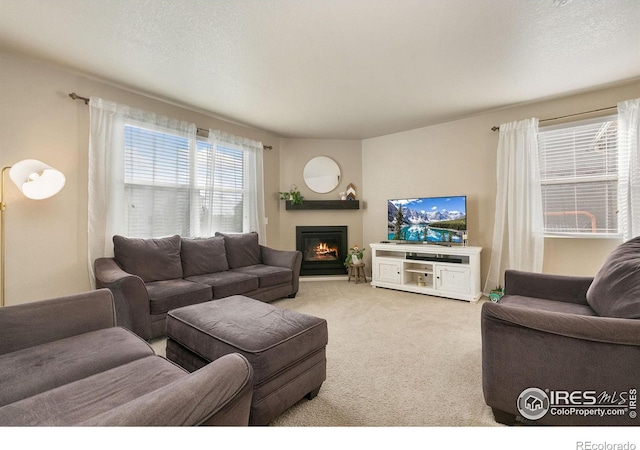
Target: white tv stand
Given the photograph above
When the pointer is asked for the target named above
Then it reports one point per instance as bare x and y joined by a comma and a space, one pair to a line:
452, 272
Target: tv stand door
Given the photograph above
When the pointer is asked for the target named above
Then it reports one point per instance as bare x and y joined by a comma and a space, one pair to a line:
453, 279
388, 271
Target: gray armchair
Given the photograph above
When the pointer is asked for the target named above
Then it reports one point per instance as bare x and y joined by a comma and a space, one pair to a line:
63, 362
559, 350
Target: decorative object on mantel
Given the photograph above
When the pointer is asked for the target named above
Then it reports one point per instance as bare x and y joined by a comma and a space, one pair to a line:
354, 256
293, 195
351, 192
343, 195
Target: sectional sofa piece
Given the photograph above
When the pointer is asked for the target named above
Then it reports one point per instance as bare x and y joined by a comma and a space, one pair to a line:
63, 362
150, 277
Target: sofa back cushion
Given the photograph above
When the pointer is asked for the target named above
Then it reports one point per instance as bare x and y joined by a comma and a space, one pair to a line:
203, 255
150, 259
242, 249
615, 291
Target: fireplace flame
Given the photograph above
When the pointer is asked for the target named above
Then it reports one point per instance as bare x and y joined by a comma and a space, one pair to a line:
323, 251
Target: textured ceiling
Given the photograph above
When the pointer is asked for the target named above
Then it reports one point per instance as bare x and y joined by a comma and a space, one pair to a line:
336, 68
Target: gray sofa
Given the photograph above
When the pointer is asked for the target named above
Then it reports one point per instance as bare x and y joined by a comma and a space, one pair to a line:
150, 277
562, 350
63, 362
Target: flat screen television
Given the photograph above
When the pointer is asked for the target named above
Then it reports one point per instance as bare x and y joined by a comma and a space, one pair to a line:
429, 220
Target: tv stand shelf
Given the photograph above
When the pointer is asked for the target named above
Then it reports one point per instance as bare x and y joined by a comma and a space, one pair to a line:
452, 272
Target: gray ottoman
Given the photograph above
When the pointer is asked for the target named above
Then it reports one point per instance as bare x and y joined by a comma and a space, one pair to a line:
285, 348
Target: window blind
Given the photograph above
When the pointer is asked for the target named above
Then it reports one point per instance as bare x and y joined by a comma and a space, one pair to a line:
178, 184
221, 187
579, 177
157, 183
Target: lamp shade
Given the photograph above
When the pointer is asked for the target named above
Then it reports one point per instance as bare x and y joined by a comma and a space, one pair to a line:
36, 179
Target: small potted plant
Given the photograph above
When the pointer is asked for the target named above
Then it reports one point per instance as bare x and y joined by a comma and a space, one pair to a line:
496, 294
354, 256
293, 195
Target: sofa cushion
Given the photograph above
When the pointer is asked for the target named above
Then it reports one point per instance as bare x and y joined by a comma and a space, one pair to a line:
169, 294
242, 249
150, 259
228, 283
36, 369
77, 402
203, 255
268, 275
615, 291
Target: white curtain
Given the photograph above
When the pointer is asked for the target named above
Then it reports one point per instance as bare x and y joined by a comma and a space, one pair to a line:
629, 168
107, 198
227, 198
518, 239
106, 178
253, 211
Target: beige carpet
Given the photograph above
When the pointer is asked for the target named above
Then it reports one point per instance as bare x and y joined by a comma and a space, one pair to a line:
393, 359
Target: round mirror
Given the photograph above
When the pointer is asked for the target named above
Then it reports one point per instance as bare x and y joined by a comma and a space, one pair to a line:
321, 174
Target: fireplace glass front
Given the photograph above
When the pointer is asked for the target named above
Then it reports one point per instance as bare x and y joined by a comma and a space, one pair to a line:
323, 248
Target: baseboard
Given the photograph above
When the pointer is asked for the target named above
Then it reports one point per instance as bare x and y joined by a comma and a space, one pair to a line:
324, 278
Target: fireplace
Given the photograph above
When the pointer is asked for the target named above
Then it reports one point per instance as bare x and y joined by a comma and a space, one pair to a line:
323, 248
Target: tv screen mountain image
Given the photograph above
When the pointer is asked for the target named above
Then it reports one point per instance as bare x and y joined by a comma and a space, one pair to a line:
427, 219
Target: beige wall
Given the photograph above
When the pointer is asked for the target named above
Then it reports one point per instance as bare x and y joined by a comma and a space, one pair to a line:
459, 158
46, 245
46, 241
294, 155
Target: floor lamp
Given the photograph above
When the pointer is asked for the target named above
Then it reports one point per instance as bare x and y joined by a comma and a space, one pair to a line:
36, 181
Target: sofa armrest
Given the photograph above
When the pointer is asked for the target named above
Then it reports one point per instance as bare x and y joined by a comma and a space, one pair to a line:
130, 296
551, 287
217, 394
291, 259
30, 324
591, 328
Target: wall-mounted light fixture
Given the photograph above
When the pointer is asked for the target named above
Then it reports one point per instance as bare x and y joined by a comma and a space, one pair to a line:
36, 180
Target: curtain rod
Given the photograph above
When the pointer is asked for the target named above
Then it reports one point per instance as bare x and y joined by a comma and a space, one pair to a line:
75, 96
568, 115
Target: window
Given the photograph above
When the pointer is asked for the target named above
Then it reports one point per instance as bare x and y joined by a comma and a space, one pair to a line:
221, 202
179, 185
579, 177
